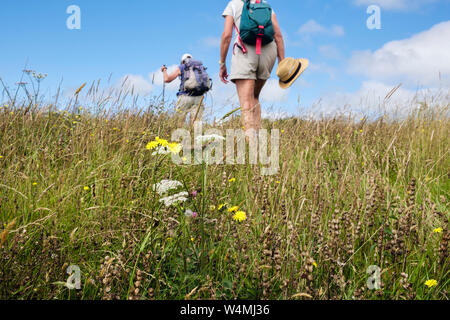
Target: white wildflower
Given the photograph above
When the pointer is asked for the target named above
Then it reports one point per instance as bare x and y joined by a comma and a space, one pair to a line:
190, 214
161, 150
166, 185
177, 198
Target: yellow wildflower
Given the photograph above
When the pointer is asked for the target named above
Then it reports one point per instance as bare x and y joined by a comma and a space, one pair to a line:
437, 230
221, 206
431, 283
192, 239
233, 209
86, 188
278, 182
151, 145
232, 180
315, 264
1, 157
240, 216
74, 122
212, 208
174, 147
161, 142
282, 131
34, 183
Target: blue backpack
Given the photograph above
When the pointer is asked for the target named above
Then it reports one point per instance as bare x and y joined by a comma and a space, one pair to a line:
195, 81
256, 24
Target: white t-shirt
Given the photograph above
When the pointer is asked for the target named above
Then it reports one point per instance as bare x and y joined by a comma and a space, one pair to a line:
234, 9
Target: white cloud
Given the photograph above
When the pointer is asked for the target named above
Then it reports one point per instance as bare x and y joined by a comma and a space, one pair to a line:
136, 83
272, 92
313, 27
395, 4
374, 99
146, 85
422, 59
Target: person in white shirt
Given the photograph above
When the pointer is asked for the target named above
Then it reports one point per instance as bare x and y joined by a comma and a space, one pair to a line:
249, 70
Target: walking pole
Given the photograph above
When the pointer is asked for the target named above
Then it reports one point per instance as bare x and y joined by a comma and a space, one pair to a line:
164, 90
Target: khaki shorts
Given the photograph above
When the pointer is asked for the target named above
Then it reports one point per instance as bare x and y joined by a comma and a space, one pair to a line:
188, 104
250, 65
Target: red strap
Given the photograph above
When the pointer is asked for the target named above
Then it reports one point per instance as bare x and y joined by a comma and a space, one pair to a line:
258, 45
244, 49
259, 40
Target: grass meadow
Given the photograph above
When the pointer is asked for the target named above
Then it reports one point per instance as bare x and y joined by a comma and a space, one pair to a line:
76, 188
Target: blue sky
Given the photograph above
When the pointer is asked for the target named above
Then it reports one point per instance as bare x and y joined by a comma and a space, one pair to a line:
349, 62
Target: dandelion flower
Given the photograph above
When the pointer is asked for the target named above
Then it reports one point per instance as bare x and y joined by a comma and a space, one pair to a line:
174, 147
232, 180
315, 264
166, 185
1, 157
86, 188
162, 142
438, 230
151, 145
240, 216
233, 209
35, 184
431, 283
221, 206
282, 131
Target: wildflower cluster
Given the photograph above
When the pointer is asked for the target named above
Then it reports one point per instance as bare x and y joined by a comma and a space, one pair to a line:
162, 146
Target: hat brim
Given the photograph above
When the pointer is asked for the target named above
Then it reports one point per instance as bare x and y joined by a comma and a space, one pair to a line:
304, 65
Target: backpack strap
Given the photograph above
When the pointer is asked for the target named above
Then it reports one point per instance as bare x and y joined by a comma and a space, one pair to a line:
242, 46
260, 36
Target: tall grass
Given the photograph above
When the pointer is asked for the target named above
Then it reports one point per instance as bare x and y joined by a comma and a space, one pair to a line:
76, 189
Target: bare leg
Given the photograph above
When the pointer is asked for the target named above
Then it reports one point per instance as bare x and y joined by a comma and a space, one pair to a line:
258, 87
249, 105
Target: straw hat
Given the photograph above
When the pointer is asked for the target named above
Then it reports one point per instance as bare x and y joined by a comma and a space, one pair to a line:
289, 70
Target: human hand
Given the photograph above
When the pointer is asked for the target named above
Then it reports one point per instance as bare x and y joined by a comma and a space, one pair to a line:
163, 68
223, 74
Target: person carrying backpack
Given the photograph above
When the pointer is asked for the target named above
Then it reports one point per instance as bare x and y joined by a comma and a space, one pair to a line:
257, 45
195, 83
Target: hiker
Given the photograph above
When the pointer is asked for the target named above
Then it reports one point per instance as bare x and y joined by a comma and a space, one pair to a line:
195, 82
257, 45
